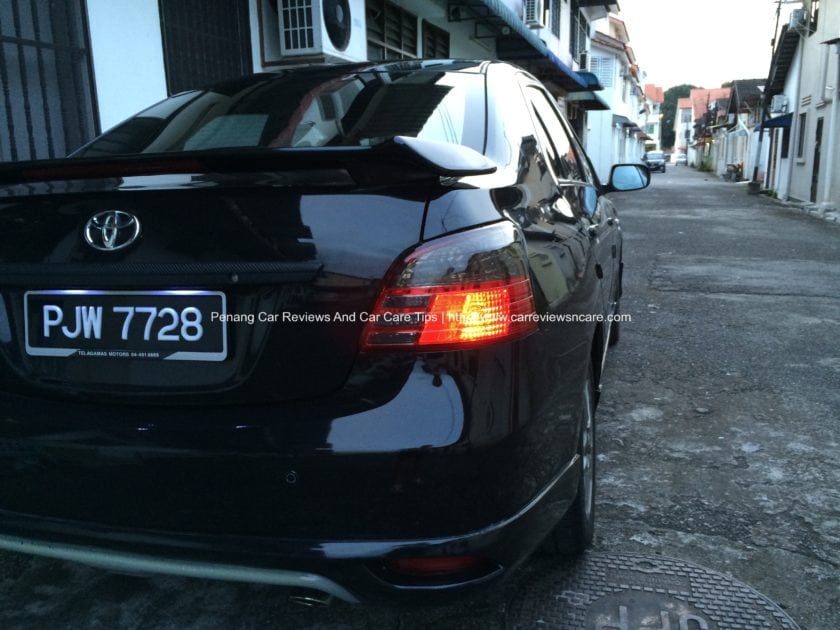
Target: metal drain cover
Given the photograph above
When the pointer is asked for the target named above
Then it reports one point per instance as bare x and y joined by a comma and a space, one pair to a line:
602, 591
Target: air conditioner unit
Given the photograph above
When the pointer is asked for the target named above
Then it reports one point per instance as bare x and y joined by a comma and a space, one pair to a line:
333, 30
533, 13
779, 104
799, 21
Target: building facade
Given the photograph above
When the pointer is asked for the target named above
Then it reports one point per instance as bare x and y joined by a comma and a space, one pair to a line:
74, 68
654, 97
616, 135
802, 125
684, 129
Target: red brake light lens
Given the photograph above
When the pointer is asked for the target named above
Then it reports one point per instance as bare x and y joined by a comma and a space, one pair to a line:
458, 291
434, 566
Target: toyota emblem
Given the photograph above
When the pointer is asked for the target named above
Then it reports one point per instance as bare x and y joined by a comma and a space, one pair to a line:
112, 230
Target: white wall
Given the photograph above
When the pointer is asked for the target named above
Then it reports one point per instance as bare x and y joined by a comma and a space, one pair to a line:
785, 168
461, 42
127, 53
605, 143
600, 142
812, 102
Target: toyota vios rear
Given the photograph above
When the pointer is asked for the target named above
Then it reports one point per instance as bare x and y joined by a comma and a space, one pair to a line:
335, 328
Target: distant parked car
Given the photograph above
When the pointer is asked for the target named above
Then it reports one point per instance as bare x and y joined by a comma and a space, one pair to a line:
681, 158
655, 160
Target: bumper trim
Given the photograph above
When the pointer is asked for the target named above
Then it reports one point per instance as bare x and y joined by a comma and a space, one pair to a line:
153, 565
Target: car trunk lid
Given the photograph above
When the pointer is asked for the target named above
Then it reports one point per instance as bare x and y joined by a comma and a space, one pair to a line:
283, 250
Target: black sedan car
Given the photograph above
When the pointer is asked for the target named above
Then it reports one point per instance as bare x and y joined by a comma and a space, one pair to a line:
340, 329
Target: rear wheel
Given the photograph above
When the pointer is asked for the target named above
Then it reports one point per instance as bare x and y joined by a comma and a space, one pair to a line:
615, 327
574, 533
615, 331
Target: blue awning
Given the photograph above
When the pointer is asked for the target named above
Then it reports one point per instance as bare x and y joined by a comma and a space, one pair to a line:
587, 100
514, 22
591, 80
517, 42
778, 121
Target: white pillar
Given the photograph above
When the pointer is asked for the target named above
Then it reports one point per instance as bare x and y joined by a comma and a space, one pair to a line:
827, 202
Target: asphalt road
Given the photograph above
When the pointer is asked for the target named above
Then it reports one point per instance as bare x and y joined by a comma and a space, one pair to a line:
719, 433
720, 428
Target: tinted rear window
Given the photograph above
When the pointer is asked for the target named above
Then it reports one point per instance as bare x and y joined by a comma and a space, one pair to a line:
307, 110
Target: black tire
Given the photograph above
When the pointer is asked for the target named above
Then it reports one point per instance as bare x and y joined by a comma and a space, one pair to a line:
615, 332
575, 531
615, 329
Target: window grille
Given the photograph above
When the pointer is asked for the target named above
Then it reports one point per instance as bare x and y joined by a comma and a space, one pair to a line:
435, 42
555, 17
391, 31
296, 24
204, 41
578, 31
47, 106
604, 69
800, 137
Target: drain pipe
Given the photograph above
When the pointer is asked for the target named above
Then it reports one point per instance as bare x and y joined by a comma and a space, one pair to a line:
827, 202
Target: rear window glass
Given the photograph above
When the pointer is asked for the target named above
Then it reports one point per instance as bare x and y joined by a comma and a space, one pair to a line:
299, 110
656, 155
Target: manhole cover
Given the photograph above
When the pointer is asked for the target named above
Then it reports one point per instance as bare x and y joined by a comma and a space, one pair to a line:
636, 592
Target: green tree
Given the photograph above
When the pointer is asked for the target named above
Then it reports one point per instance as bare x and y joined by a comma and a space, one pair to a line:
669, 110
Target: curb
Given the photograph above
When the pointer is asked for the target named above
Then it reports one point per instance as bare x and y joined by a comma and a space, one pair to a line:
832, 216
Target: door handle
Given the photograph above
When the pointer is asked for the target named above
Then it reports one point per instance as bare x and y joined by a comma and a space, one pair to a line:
613, 221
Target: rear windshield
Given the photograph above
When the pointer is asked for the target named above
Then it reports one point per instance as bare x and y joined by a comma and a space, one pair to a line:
307, 110
656, 155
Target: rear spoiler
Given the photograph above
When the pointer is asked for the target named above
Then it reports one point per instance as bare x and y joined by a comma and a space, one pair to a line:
401, 157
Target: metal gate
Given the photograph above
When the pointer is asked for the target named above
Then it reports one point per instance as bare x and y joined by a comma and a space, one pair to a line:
204, 41
47, 106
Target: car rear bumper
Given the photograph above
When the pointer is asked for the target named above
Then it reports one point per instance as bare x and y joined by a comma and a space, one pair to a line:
349, 570
460, 458
140, 564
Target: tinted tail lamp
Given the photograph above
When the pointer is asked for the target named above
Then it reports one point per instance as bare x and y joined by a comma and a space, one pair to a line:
459, 291
438, 571
433, 566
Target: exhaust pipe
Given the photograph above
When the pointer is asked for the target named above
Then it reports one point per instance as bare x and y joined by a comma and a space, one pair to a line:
310, 598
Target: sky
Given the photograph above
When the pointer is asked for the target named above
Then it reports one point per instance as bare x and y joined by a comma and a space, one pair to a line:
702, 42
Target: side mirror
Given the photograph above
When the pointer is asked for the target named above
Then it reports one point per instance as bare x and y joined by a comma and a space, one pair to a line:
625, 177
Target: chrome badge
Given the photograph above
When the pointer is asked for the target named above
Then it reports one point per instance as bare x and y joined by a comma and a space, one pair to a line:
112, 230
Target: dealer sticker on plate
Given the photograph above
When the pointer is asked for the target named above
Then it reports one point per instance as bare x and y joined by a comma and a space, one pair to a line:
177, 325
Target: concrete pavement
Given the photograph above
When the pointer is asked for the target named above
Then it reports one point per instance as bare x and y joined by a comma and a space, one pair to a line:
720, 426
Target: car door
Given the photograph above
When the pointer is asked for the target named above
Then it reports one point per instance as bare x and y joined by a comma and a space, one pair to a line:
608, 231
578, 186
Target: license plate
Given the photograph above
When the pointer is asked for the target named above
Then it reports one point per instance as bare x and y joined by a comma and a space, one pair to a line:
150, 325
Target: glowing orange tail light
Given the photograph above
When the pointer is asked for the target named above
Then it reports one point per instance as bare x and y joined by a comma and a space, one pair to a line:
465, 308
